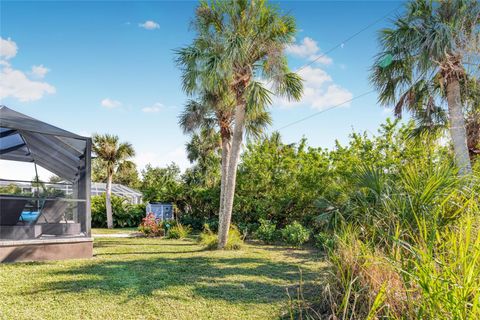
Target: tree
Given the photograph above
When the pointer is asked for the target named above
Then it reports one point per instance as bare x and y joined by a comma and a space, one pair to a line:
114, 156
240, 44
424, 60
126, 175
203, 150
211, 109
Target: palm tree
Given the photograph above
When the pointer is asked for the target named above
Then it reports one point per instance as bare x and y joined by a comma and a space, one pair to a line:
204, 149
426, 51
114, 156
213, 109
209, 116
240, 44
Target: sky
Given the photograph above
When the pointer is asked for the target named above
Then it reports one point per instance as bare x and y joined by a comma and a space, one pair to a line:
108, 67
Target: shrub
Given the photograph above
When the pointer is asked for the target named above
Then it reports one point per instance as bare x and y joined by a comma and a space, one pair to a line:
210, 239
267, 231
295, 234
151, 226
178, 231
124, 213
325, 241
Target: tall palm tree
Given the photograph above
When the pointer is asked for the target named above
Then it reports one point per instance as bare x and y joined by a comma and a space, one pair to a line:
240, 43
213, 114
114, 155
212, 110
427, 49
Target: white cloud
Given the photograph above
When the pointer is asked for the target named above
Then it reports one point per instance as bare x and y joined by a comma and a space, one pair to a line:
314, 76
156, 107
319, 91
177, 155
149, 25
39, 71
15, 83
308, 48
110, 103
8, 48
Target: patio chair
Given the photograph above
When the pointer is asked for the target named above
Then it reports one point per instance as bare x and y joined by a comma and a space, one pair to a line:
53, 211
11, 208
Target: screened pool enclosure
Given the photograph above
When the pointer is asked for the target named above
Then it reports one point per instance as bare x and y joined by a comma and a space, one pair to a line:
46, 223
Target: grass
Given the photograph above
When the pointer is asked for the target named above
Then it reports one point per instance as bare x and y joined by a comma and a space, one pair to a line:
142, 278
113, 231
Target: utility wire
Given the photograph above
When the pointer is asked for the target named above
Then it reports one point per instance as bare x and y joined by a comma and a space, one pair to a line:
324, 110
349, 38
329, 51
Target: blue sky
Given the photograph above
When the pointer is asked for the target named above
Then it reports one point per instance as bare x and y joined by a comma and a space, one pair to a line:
109, 67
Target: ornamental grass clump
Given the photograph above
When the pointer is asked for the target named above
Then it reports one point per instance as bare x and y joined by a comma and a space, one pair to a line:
210, 240
179, 231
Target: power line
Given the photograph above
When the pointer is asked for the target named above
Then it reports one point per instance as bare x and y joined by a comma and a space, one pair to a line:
329, 51
324, 110
349, 38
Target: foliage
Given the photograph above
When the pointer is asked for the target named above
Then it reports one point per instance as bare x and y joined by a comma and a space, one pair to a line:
161, 184
112, 155
210, 240
267, 231
430, 48
295, 234
178, 231
238, 47
325, 241
124, 213
151, 227
11, 189
127, 175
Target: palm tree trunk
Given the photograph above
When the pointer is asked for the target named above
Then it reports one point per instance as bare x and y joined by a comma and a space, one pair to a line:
108, 204
231, 175
226, 146
457, 126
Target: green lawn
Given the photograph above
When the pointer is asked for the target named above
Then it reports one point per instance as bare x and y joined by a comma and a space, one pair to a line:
138, 278
113, 231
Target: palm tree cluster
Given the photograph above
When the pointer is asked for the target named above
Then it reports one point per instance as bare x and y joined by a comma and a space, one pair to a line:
426, 62
232, 68
113, 156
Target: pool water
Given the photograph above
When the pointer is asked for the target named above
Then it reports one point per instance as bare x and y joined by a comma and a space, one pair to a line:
29, 215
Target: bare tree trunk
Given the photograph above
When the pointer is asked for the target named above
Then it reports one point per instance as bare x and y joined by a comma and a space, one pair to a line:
457, 126
232, 175
226, 146
108, 204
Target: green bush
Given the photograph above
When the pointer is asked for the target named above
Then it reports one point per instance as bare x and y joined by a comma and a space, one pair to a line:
210, 239
295, 234
124, 213
267, 231
325, 241
179, 231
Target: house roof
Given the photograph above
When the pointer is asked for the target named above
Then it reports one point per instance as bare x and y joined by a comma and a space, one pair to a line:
23, 138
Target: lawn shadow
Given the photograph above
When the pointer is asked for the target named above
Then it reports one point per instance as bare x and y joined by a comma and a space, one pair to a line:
232, 279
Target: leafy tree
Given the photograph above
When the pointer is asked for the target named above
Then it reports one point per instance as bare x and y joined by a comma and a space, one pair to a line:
161, 184
424, 61
114, 156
